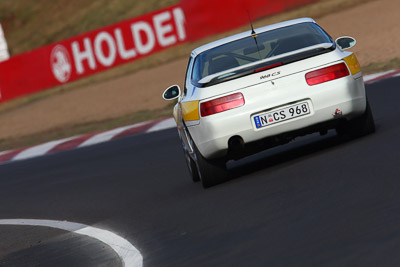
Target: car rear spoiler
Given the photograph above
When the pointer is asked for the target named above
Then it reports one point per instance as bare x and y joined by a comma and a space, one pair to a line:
232, 71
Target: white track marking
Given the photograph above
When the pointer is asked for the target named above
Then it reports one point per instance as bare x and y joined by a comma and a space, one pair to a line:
128, 254
165, 124
40, 149
106, 136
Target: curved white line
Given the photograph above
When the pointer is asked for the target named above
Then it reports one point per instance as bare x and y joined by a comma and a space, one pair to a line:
129, 255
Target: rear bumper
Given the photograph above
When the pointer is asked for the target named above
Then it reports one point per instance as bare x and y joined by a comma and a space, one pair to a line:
346, 94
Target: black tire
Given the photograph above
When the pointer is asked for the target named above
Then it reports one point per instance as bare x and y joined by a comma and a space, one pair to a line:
360, 126
191, 164
211, 172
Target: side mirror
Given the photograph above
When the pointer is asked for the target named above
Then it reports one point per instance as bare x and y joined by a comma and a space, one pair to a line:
346, 42
172, 92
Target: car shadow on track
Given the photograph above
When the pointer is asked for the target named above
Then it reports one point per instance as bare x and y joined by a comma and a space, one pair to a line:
296, 150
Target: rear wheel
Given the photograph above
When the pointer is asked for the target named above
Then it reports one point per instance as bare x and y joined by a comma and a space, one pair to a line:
360, 126
191, 164
211, 172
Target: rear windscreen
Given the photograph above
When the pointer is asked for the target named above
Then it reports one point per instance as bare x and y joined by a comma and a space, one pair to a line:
258, 47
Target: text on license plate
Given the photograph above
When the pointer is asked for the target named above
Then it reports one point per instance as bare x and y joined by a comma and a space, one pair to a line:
283, 114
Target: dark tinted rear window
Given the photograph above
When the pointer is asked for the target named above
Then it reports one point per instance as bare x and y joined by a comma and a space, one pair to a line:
250, 49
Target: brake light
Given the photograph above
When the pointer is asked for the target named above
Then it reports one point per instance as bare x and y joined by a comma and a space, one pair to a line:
327, 74
221, 104
268, 67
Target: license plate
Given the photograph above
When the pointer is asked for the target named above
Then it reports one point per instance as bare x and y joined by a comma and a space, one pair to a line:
280, 115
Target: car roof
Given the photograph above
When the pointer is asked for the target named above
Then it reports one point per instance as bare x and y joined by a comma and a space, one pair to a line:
235, 37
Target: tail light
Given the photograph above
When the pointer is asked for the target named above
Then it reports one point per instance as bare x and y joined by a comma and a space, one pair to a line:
268, 67
221, 104
327, 74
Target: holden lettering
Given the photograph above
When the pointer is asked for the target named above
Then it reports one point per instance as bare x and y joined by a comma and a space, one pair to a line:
109, 47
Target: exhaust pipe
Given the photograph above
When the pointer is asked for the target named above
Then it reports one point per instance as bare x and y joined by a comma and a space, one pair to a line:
235, 147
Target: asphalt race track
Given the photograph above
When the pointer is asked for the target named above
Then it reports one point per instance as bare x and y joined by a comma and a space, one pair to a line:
319, 201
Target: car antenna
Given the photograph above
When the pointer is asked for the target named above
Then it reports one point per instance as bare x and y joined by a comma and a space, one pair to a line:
253, 33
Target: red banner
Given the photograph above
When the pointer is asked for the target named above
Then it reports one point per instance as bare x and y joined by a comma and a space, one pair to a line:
208, 17
91, 52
